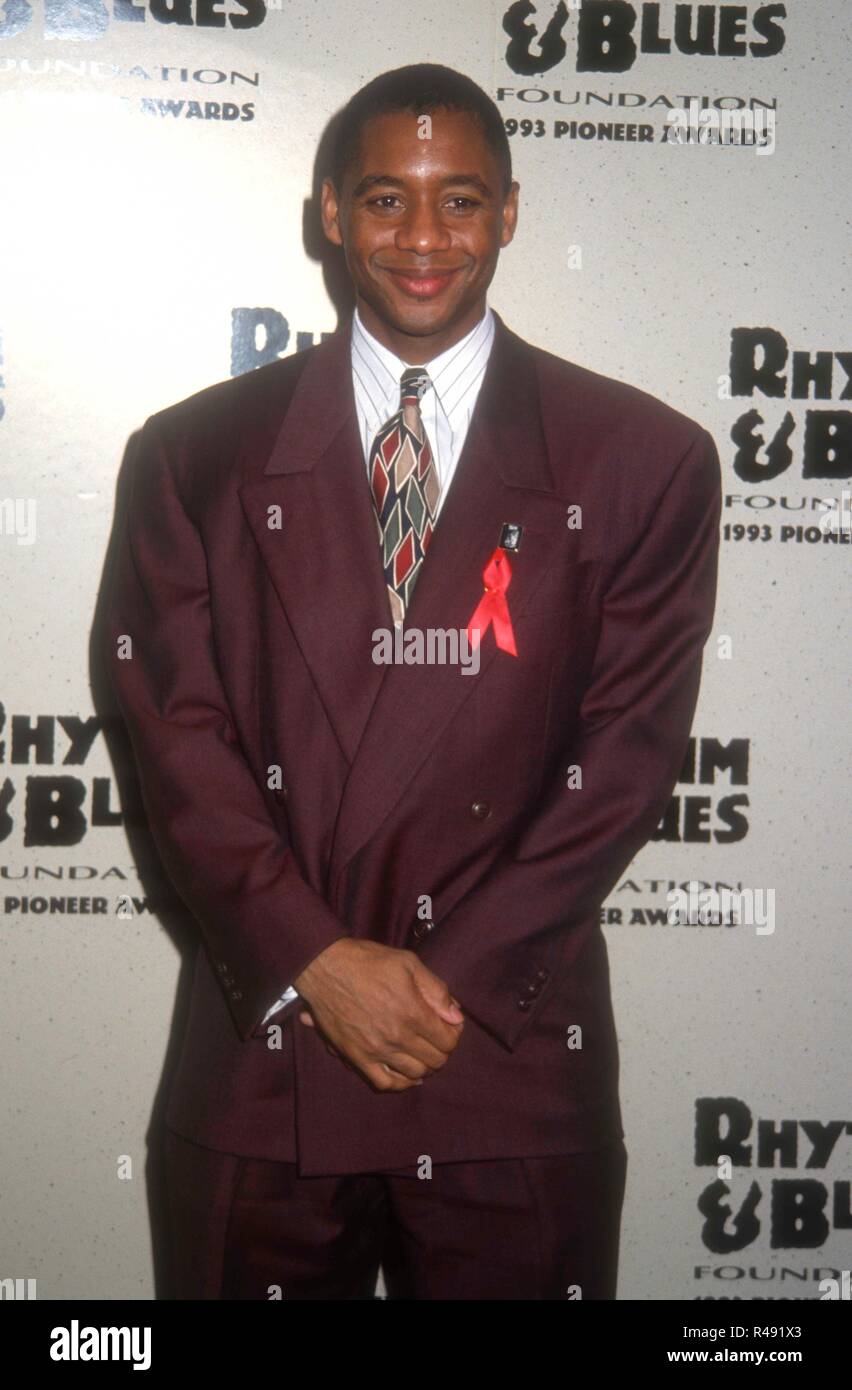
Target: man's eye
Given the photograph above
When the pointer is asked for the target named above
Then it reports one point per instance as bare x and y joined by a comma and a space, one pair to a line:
390, 201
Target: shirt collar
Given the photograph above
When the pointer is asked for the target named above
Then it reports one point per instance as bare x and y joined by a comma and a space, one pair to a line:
384, 369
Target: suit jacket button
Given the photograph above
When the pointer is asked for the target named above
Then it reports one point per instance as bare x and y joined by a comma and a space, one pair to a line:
480, 809
524, 1003
533, 987
542, 974
236, 994
422, 927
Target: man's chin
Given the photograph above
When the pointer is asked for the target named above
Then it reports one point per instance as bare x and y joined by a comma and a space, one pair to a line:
424, 320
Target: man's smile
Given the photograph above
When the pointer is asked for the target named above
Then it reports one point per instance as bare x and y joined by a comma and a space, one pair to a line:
421, 284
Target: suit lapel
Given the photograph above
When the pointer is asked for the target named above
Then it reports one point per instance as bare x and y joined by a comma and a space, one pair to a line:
324, 561
326, 567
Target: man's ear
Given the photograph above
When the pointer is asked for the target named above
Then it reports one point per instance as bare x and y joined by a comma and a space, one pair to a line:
510, 213
330, 208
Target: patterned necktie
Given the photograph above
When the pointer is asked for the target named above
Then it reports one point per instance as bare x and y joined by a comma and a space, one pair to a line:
405, 489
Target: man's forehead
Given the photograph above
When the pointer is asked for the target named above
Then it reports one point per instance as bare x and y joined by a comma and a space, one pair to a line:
391, 145
427, 128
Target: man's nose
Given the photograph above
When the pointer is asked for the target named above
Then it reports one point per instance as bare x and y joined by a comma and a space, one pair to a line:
423, 230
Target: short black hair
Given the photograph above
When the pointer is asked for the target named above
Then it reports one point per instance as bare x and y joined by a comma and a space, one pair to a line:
419, 88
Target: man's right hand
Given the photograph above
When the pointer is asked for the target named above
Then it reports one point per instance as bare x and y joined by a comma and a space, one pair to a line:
383, 1010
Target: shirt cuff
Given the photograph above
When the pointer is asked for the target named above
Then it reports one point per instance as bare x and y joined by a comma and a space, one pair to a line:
288, 997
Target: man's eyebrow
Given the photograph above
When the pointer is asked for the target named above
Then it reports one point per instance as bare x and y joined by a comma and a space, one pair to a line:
390, 180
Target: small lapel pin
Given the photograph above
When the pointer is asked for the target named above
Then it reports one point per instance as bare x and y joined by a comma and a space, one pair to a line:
510, 536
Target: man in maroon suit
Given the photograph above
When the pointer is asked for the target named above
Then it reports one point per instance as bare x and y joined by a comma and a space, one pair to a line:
401, 1049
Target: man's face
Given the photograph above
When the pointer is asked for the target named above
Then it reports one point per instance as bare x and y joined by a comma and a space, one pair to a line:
421, 222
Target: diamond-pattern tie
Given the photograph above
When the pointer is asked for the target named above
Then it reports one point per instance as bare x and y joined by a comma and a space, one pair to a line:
405, 488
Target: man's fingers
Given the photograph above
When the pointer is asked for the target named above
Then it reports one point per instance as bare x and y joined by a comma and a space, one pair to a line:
383, 1077
435, 992
404, 1064
433, 1055
432, 1039
414, 1039
402, 1075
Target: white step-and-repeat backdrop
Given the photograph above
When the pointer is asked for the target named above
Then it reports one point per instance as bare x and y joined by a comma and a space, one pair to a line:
684, 199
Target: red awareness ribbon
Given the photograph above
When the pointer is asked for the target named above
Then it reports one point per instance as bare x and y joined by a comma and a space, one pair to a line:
492, 607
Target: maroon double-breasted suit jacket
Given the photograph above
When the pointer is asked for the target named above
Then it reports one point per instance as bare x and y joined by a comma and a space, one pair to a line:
252, 648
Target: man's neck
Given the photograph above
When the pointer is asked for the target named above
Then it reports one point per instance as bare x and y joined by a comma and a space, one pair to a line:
417, 351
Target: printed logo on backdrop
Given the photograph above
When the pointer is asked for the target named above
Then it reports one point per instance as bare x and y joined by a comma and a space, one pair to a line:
777, 1204
709, 806
82, 20
49, 806
173, 89
261, 334
541, 47
796, 427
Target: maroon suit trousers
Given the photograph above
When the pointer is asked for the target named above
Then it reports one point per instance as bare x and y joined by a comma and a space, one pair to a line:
514, 1228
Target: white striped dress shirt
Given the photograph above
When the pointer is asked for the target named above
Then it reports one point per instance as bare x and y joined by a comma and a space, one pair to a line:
445, 408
